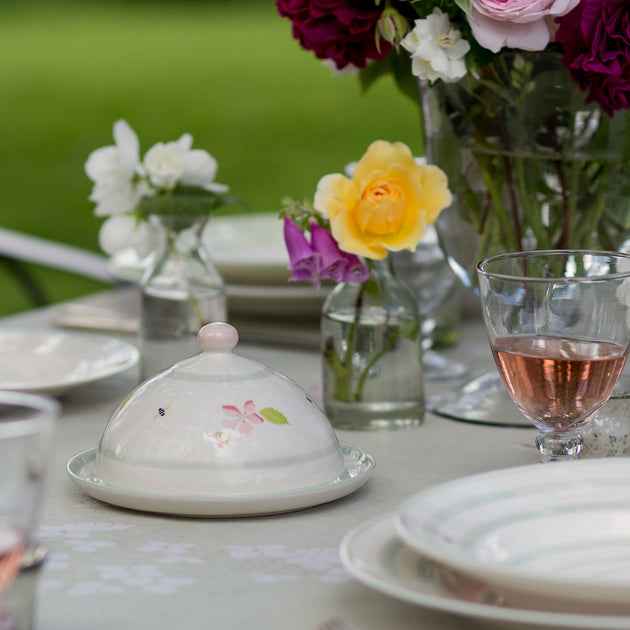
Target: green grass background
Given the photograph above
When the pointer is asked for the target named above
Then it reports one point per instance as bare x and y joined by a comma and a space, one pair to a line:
228, 72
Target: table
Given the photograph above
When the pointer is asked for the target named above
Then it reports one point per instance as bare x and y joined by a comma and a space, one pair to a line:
112, 568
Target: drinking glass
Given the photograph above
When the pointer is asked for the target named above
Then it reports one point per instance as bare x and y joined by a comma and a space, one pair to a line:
26, 432
558, 323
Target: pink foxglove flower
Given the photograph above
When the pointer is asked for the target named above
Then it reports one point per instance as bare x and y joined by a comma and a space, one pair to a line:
321, 258
333, 262
304, 261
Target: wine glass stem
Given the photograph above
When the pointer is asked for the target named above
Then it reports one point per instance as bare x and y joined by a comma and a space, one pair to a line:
559, 447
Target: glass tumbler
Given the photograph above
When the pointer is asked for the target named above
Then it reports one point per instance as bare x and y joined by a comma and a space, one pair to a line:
26, 438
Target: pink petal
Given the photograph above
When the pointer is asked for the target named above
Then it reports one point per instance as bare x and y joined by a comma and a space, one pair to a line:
245, 428
249, 406
229, 423
254, 418
231, 410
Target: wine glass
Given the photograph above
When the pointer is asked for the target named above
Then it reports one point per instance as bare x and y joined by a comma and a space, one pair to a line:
558, 323
26, 430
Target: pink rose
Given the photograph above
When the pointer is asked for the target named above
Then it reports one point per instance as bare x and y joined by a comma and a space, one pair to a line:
524, 24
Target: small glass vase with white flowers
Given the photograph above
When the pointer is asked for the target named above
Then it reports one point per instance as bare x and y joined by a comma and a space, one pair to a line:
371, 339
159, 207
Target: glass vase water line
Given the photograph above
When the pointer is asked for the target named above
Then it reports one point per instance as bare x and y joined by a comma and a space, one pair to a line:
180, 292
372, 353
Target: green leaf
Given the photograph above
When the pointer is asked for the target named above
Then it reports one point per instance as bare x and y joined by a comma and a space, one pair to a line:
273, 415
371, 286
411, 329
185, 200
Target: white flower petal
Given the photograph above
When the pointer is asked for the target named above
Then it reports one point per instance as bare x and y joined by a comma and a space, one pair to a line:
99, 163
127, 142
116, 233
164, 164
217, 188
185, 142
200, 168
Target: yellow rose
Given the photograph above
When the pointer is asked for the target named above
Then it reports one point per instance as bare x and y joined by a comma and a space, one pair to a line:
387, 204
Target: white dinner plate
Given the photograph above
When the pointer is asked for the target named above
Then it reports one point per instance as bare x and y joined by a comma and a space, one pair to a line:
545, 533
248, 249
292, 300
359, 466
377, 557
250, 253
52, 362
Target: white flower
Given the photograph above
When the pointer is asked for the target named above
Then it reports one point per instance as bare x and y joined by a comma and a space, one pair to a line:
117, 198
200, 169
165, 161
175, 162
116, 172
437, 49
121, 231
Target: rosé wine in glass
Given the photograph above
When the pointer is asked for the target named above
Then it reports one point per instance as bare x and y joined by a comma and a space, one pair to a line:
559, 331
12, 548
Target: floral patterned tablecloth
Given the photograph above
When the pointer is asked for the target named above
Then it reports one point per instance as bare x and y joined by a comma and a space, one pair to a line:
111, 568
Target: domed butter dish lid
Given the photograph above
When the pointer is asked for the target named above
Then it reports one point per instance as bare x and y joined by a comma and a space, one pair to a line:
219, 434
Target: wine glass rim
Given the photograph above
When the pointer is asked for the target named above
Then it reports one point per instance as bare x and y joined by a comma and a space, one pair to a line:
483, 264
43, 410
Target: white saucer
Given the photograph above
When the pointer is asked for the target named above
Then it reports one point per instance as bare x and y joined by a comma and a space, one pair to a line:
375, 555
52, 362
359, 466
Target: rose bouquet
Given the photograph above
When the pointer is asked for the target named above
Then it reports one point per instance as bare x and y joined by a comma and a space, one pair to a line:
345, 235
446, 39
523, 104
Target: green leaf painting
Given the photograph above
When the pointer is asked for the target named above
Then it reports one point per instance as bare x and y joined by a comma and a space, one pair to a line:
273, 415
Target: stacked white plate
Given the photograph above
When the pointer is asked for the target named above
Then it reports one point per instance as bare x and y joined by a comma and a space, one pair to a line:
250, 253
544, 545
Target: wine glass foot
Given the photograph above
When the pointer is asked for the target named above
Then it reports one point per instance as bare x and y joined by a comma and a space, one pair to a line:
559, 447
440, 368
35, 555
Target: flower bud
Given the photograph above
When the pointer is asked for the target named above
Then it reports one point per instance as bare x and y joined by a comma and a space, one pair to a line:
392, 26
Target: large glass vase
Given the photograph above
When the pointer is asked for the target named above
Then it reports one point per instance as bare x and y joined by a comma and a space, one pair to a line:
530, 164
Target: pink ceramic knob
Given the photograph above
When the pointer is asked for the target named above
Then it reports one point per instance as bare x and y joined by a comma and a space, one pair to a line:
218, 337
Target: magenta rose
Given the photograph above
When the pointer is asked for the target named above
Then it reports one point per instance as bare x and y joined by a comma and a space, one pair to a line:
596, 40
341, 30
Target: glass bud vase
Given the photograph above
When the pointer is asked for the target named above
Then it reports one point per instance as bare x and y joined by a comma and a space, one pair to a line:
180, 292
372, 353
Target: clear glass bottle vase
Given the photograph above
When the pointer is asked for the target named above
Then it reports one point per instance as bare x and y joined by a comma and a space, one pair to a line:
372, 353
180, 292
